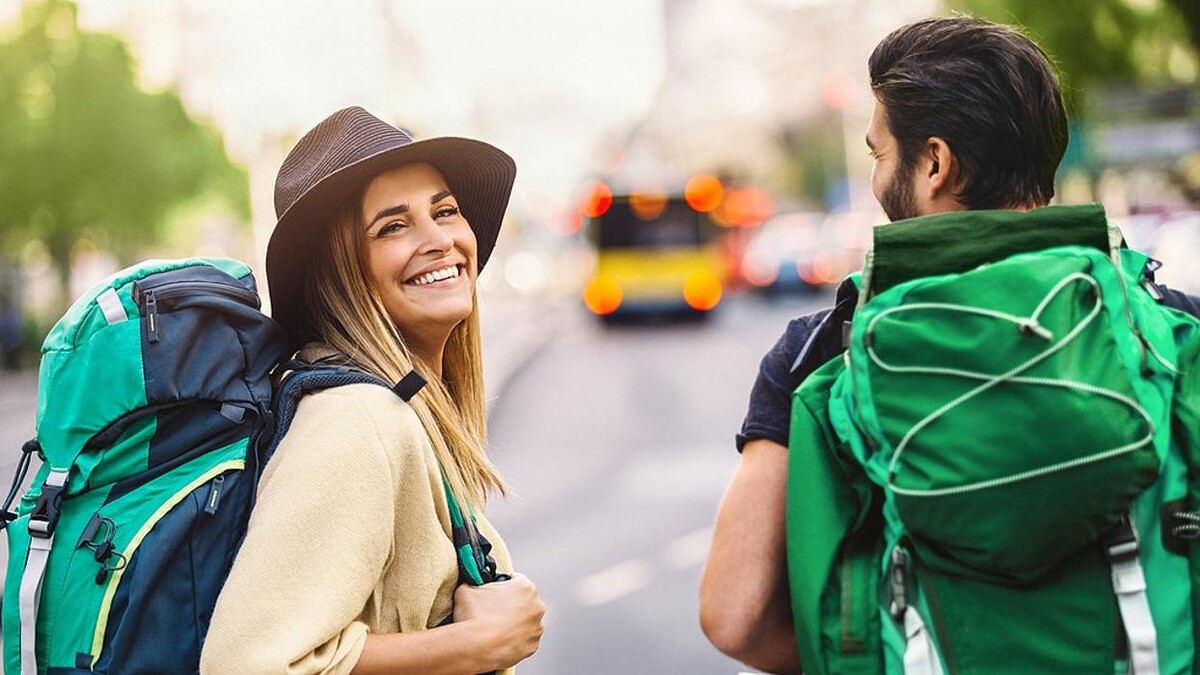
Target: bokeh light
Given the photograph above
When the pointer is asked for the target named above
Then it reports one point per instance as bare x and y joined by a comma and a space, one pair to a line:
702, 291
602, 295
704, 192
525, 272
597, 200
760, 270
744, 207
648, 204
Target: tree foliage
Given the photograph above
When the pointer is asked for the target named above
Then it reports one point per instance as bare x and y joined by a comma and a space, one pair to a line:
1107, 41
85, 152
1189, 13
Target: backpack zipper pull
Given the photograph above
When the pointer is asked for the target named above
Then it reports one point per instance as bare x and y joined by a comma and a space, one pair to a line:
214, 495
151, 315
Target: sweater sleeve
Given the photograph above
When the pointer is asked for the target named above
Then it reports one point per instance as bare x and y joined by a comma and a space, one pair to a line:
318, 540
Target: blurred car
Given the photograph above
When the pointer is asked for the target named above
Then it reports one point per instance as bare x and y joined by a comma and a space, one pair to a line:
1140, 230
655, 255
797, 252
1176, 245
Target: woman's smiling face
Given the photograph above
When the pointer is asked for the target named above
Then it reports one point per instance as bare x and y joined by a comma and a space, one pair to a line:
421, 255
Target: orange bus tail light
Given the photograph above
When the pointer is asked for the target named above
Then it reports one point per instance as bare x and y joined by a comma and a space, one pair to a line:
602, 295
702, 291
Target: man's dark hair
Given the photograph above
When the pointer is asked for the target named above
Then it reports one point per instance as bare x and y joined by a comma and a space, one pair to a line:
987, 90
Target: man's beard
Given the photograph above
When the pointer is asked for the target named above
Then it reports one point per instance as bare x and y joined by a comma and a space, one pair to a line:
898, 200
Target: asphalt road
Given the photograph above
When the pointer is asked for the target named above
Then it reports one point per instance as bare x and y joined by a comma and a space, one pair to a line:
617, 445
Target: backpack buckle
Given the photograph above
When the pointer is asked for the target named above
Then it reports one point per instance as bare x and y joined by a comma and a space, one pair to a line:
898, 582
44, 517
1122, 543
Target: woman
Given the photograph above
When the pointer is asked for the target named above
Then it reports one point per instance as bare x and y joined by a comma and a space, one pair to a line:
349, 563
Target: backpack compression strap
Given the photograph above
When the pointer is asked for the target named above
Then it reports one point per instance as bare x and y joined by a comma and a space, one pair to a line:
41, 538
920, 655
1129, 584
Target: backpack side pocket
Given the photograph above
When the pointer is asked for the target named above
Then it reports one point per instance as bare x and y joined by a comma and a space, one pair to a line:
833, 542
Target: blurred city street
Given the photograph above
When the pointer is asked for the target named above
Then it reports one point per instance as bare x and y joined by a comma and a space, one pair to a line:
690, 175
617, 444
18, 408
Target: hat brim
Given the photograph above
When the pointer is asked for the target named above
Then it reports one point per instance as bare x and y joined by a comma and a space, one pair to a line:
480, 176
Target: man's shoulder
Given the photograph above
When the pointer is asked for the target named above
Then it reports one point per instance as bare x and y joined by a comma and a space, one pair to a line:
800, 330
1180, 300
818, 336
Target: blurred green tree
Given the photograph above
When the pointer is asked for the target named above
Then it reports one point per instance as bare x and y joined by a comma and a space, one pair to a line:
84, 152
1153, 42
1189, 12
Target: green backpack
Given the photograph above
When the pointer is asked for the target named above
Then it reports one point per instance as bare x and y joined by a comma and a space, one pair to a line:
997, 477
156, 417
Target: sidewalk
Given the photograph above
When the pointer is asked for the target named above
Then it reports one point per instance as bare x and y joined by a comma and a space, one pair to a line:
514, 332
18, 408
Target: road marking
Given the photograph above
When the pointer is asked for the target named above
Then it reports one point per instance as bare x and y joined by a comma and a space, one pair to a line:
689, 550
613, 583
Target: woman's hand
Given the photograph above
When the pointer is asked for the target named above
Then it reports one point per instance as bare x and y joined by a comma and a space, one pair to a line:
506, 615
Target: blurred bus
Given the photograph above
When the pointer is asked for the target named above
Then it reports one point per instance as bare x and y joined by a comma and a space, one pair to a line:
655, 255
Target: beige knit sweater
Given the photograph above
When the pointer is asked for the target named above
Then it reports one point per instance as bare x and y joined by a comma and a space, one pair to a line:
350, 536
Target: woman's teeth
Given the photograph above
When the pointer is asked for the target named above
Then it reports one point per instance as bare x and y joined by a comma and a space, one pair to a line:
436, 275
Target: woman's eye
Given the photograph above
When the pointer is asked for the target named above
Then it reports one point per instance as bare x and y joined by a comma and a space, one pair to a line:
446, 212
393, 226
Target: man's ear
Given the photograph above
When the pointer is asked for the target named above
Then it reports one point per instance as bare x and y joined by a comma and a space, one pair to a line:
941, 169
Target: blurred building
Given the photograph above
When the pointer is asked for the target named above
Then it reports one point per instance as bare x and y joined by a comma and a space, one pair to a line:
539, 78
741, 72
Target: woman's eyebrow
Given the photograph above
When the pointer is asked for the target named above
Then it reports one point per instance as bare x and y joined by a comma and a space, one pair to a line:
389, 211
403, 208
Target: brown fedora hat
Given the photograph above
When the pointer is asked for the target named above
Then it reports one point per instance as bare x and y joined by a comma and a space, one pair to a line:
335, 160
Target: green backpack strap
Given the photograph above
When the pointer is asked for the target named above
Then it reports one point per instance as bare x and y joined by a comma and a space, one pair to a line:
475, 564
833, 542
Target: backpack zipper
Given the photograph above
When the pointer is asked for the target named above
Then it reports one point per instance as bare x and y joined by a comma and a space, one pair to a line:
214, 495
858, 581
148, 298
853, 628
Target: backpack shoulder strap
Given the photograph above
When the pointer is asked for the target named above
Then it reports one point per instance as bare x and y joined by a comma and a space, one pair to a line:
301, 378
475, 564
832, 539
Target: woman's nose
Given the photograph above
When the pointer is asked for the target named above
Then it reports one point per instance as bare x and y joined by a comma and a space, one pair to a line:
434, 237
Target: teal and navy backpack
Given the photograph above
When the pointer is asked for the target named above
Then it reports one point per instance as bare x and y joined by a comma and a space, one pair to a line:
998, 476
155, 418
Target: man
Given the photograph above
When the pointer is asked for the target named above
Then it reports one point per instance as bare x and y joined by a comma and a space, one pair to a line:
968, 115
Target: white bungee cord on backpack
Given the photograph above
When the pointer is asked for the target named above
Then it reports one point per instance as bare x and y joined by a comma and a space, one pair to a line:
1029, 326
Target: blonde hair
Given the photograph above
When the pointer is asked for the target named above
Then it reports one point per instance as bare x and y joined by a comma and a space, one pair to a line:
346, 312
